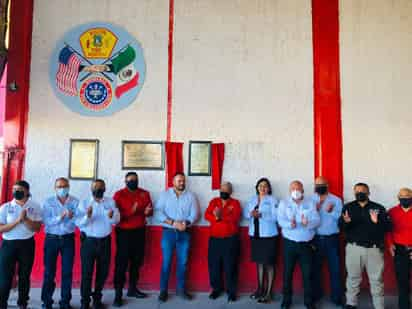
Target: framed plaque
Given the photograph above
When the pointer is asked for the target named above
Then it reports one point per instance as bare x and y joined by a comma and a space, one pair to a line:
142, 155
84, 155
199, 158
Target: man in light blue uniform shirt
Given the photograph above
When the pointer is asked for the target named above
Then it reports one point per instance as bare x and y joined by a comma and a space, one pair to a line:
95, 217
298, 218
326, 241
176, 210
58, 219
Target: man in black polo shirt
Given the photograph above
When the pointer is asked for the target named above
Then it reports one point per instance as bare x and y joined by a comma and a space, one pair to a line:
364, 224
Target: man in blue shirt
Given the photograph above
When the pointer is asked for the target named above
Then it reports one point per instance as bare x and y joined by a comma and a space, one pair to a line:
176, 210
58, 219
298, 219
95, 218
326, 241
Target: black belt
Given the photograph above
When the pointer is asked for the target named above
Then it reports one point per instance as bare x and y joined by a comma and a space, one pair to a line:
403, 247
54, 236
327, 236
300, 242
366, 245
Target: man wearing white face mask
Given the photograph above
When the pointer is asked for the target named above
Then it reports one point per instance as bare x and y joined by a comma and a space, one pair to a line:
298, 218
58, 218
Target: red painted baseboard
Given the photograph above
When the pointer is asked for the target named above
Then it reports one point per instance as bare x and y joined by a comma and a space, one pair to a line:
197, 276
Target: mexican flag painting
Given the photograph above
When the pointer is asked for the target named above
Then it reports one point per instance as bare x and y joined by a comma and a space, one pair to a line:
127, 76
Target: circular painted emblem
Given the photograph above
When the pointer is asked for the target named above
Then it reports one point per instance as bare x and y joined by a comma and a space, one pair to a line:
97, 69
96, 93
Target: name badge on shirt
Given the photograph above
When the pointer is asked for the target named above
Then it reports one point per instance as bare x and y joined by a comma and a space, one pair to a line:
11, 210
376, 211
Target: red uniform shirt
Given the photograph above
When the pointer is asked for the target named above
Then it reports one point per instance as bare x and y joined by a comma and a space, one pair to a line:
401, 226
228, 225
125, 200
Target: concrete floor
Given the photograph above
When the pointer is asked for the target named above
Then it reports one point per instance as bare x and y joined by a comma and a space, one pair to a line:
201, 301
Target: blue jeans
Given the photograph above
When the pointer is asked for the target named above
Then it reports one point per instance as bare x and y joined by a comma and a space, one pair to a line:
327, 247
171, 240
53, 246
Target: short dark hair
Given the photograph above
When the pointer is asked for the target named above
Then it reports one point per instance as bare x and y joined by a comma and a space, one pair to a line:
130, 174
99, 180
179, 174
264, 179
361, 184
61, 179
23, 183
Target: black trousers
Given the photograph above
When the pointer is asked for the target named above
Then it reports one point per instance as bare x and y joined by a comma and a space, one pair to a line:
12, 253
129, 257
402, 270
94, 251
223, 252
294, 252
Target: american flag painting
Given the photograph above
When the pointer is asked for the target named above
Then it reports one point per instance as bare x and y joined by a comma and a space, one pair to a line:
66, 77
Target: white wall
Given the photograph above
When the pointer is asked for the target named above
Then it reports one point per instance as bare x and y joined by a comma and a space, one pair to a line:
243, 76
376, 66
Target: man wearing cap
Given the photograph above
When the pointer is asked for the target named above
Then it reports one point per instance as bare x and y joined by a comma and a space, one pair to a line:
400, 244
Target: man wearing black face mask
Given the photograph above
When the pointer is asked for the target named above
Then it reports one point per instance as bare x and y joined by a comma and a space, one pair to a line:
400, 244
364, 224
95, 218
327, 242
135, 206
223, 213
19, 220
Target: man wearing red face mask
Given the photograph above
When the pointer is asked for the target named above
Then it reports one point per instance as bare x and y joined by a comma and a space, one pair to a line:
400, 244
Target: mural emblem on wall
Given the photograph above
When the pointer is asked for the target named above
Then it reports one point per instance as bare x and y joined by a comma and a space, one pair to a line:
97, 69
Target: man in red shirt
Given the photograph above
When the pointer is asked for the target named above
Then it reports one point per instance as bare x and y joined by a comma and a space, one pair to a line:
400, 244
134, 205
223, 213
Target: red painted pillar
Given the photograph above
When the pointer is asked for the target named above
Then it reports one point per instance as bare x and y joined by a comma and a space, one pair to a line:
170, 70
327, 97
17, 102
